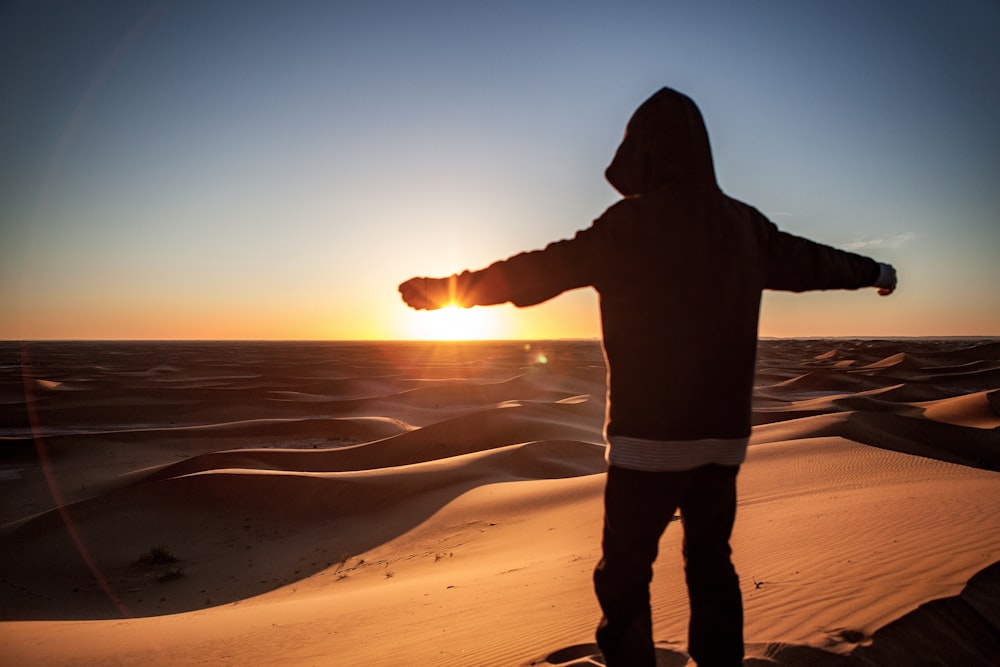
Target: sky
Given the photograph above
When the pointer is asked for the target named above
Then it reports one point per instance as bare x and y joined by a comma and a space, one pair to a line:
241, 169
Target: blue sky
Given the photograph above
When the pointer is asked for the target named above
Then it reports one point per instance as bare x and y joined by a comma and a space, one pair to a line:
274, 169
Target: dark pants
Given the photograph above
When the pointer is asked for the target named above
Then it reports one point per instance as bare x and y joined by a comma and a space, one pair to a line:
637, 508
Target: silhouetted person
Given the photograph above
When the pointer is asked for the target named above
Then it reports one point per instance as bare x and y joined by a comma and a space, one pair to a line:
679, 267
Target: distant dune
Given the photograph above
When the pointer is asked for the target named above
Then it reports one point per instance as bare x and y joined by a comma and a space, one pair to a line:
440, 504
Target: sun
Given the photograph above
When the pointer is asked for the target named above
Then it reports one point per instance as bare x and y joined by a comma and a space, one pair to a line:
454, 323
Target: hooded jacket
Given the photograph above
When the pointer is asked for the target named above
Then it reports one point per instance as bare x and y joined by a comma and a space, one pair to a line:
679, 267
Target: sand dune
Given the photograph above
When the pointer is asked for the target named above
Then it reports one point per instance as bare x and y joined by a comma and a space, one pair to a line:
405, 503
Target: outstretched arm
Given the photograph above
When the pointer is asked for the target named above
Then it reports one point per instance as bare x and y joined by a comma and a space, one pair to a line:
798, 264
524, 279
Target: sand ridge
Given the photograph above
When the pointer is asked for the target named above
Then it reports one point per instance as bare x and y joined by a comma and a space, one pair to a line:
417, 503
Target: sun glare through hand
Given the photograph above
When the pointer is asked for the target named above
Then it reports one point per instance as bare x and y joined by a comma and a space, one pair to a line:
454, 323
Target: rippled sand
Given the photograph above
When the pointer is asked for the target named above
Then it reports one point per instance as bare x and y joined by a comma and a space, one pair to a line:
440, 504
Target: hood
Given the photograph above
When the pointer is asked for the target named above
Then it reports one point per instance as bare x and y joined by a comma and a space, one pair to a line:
665, 143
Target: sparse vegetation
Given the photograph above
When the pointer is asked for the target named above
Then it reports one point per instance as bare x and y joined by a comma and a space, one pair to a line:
158, 555
163, 563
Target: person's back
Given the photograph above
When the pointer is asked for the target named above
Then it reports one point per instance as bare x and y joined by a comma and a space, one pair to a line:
679, 302
679, 267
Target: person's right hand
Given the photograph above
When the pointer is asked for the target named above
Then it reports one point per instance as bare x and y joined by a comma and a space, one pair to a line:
427, 293
886, 282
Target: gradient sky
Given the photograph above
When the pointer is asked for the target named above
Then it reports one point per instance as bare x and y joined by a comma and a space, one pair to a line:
242, 169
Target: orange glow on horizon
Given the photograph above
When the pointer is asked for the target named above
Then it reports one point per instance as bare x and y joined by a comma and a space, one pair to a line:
376, 316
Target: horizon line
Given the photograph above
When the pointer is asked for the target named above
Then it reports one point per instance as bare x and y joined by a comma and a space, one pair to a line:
469, 340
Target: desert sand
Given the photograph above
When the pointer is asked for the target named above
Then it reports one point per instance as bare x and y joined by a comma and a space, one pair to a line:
440, 504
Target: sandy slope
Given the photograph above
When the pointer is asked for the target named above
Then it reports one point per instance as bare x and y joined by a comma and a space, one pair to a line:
415, 504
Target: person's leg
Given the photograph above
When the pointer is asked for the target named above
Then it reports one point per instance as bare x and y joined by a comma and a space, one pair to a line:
715, 633
637, 507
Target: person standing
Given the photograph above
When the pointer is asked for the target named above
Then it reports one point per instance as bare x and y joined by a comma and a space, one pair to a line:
679, 267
